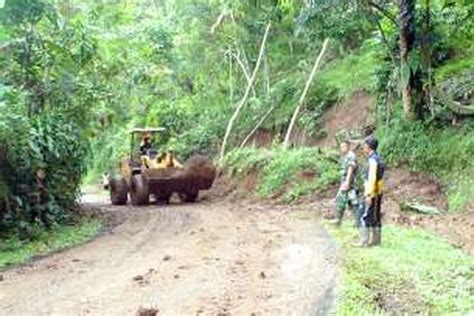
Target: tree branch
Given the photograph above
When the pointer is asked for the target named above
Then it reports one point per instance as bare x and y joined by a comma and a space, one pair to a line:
387, 14
219, 20
242, 66
385, 40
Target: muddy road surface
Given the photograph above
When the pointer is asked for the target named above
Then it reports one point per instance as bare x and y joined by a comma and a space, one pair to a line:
209, 258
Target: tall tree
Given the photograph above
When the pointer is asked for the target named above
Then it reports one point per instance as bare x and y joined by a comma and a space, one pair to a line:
411, 90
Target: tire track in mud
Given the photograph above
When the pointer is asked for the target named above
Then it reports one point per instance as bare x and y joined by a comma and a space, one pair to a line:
209, 258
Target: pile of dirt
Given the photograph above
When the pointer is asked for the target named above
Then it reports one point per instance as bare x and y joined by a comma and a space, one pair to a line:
351, 114
198, 173
403, 186
222, 187
201, 170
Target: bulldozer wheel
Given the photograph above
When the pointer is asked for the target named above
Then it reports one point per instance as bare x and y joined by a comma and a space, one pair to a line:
190, 196
118, 191
139, 194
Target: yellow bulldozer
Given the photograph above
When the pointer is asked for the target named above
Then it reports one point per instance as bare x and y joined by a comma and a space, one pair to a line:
147, 172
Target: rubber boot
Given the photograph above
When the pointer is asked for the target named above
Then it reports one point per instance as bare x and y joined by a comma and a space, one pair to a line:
338, 220
371, 236
376, 236
356, 215
364, 237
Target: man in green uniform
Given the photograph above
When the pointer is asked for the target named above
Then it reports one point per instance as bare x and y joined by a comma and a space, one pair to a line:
347, 196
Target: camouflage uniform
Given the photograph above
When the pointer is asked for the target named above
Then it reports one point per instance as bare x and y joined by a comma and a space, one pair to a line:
350, 197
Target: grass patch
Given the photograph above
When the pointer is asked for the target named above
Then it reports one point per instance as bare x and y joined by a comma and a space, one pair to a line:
412, 272
15, 251
460, 189
454, 68
354, 72
298, 172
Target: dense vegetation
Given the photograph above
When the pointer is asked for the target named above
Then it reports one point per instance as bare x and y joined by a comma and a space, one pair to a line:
77, 75
284, 173
46, 96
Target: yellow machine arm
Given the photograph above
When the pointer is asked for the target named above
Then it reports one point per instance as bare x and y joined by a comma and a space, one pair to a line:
161, 162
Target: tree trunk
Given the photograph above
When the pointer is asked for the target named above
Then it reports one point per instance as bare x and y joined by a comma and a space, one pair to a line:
411, 90
406, 44
426, 56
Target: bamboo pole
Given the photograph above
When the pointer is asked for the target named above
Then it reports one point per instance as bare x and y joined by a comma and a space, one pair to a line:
246, 139
286, 143
242, 66
246, 94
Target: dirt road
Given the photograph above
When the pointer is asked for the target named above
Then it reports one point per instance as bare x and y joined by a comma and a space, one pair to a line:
208, 258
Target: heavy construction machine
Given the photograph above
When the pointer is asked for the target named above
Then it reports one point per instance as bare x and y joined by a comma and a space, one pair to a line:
147, 172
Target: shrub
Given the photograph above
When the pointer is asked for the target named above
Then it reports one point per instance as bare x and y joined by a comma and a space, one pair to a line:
300, 171
41, 170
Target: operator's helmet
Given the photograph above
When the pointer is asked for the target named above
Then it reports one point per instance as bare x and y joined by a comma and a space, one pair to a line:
146, 136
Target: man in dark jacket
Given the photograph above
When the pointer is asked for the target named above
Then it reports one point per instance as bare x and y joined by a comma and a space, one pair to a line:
371, 220
145, 144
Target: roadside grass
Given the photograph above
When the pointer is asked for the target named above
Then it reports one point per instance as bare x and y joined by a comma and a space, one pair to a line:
15, 251
413, 272
286, 173
460, 189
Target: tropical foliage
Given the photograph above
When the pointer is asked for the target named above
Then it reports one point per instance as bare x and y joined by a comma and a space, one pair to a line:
77, 75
